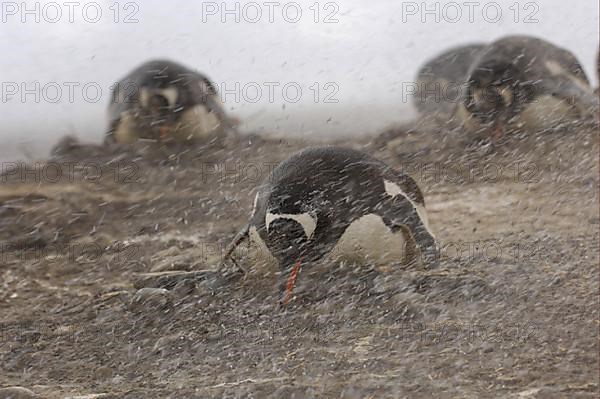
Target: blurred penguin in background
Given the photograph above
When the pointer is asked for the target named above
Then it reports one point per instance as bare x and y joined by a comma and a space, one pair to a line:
525, 83
166, 102
517, 83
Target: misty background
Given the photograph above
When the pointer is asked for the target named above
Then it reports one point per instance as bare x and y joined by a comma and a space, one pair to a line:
352, 60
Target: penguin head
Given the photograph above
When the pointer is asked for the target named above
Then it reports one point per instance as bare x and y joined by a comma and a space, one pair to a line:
158, 109
164, 91
287, 238
495, 93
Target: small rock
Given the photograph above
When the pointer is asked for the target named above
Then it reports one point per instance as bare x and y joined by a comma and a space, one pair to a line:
382, 284
118, 380
184, 288
104, 373
363, 346
92, 396
150, 299
168, 280
169, 344
212, 331
171, 261
530, 393
16, 393
122, 295
555, 281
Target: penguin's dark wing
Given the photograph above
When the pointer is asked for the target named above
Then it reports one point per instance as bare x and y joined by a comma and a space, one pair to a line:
570, 82
571, 64
401, 212
200, 87
207, 85
207, 94
123, 95
405, 208
576, 93
540, 59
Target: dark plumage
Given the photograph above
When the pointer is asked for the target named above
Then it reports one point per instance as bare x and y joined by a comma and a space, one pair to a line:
441, 80
163, 100
514, 83
320, 199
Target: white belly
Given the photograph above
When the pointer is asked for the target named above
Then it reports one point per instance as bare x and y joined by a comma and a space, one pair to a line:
464, 119
546, 112
126, 130
196, 123
367, 241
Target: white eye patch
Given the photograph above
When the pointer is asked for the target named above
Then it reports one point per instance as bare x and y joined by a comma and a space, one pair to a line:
308, 223
171, 95
392, 189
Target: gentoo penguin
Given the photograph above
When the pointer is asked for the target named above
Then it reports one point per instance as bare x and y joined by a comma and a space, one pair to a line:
441, 80
339, 204
165, 101
525, 83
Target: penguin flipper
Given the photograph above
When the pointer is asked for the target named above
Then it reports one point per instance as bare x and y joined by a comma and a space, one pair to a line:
401, 212
580, 96
109, 138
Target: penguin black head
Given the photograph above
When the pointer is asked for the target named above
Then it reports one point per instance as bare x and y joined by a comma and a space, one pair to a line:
287, 237
495, 93
158, 104
157, 111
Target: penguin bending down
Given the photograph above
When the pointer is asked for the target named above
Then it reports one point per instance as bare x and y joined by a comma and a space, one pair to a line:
331, 202
525, 83
441, 80
162, 100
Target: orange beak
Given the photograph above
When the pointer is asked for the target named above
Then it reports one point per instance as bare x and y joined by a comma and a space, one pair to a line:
291, 282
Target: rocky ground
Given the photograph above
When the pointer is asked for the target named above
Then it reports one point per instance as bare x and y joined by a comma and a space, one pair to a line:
110, 286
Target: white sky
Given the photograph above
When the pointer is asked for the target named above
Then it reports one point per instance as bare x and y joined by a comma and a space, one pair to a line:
368, 54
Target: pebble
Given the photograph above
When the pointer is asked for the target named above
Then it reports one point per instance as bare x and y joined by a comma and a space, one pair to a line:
150, 299
167, 280
16, 393
92, 396
104, 373
212, 331
184, 288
